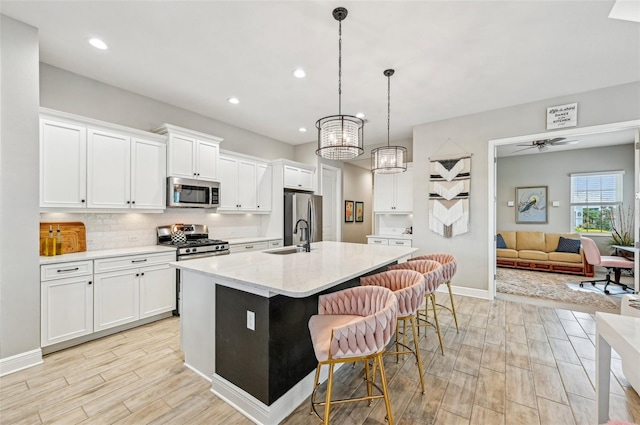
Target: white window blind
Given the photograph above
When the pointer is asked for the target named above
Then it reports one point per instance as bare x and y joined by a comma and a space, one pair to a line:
603, 188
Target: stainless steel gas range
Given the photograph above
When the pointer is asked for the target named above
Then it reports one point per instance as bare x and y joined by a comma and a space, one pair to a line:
191, 241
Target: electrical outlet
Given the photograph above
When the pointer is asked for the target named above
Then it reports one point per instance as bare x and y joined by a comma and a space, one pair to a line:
251, 320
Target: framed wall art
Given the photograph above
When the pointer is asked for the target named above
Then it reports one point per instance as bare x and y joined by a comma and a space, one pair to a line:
359, 212
531, 205
348, 211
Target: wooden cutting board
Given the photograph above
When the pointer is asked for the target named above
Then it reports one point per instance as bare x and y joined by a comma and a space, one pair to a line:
74, 236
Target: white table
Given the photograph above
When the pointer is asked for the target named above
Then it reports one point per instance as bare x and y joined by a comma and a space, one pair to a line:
622, 333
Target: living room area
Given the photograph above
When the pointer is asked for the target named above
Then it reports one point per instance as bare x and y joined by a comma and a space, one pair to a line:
552, 191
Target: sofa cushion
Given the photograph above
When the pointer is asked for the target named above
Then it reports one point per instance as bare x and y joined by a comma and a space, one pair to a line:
552, 239
500, 243
565, 257
533, 241
568, 245
506, 253
528, 254
509, 238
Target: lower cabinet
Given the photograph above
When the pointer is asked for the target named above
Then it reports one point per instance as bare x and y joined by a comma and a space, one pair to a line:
67, 309
116, 299
157, 290
377, 240
245, 247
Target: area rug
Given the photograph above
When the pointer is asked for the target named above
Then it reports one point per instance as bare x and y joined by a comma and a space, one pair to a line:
550, 286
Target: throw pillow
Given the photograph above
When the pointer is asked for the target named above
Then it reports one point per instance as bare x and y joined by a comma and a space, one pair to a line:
568, 245
500, 243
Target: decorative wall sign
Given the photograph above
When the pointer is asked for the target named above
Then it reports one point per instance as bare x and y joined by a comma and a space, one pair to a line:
562, 116
449, 195
359, 212
531, 203
348, 211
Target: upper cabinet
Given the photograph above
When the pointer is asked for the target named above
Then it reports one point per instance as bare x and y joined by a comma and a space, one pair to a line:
245, 184
298, 177
90, 164
191, 154
393, 193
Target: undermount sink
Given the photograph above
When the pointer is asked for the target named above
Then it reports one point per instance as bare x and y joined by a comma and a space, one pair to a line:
286, 251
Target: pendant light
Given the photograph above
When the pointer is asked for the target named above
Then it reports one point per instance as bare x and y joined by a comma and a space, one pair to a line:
340, 137
389, 159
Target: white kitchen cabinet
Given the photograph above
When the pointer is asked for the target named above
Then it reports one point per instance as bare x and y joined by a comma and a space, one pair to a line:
148, 174
157, 290
108, 169
245, 184
116, 298
191, 154
63, 164
393, 193
276, 243
249, 246
388, 241
66, 296
378, 241
298, 178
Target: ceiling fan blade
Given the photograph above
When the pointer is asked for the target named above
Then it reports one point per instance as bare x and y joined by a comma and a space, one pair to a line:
520, 150
554, 141
564, 142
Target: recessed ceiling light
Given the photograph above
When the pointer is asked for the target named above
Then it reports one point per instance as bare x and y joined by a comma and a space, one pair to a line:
299, 73
98, 44
233, 100
360, 115
302, 130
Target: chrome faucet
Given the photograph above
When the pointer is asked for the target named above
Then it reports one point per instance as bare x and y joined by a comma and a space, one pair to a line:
305, 233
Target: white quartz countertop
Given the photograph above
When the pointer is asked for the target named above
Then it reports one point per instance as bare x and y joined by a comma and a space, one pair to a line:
106, 253
391, 236
300, 274
239, 241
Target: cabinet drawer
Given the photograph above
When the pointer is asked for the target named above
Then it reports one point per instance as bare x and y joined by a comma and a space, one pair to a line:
132, 261
62, 270
400, 242
254, 246
275, 244
378, 241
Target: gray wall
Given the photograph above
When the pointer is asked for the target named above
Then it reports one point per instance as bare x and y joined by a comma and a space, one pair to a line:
19, 171
73, 93
552, 169
470, 134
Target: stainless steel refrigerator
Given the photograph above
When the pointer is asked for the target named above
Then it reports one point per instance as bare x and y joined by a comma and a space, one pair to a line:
307, 206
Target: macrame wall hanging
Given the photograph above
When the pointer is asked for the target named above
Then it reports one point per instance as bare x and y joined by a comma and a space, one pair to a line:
450, 179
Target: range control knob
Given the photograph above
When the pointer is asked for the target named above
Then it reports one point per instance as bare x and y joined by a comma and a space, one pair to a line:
188, 250
217, 247
193, 250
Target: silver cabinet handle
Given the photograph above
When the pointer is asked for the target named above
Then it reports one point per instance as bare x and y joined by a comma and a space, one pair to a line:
377, 241
399, 243
248, 247
139, 261
68, 270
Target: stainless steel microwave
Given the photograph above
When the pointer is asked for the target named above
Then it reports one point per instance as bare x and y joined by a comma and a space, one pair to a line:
190, 193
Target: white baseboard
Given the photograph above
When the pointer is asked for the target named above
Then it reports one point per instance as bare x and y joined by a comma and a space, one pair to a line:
467, 292
20, 361
257, 411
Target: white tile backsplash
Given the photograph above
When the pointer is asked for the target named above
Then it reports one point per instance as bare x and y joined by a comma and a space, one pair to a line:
127, 230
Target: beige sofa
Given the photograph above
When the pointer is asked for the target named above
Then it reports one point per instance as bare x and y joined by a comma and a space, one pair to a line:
537, 251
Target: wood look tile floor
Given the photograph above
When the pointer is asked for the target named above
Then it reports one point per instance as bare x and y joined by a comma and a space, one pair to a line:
511, 363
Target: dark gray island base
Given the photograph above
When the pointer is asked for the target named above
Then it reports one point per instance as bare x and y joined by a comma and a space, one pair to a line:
265, 373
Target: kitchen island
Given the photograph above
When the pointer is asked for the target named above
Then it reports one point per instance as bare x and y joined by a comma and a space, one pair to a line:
244, 319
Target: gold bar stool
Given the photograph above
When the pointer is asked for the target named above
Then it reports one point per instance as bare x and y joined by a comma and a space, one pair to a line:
449, 268
432, 273
353, 325
408, 287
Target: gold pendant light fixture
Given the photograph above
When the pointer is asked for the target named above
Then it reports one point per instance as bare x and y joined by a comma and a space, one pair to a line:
340, 137
389, 159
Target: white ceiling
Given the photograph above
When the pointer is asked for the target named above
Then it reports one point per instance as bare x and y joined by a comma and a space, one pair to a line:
451, 57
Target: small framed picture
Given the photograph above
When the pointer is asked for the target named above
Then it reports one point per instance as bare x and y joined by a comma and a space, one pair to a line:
348, 211
531, 204
359, 212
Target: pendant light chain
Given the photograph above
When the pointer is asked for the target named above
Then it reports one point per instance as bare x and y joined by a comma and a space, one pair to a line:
388, 108
339, 67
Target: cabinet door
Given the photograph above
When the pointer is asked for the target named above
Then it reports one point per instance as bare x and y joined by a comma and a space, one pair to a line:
67, 309
291, 178
63, 165
157, 290
265, 188
182, 157
207, 160
228, 183
378, 241
116, 298
148, 174
305, 179
109, 170
404, 191
383, 193
247, 185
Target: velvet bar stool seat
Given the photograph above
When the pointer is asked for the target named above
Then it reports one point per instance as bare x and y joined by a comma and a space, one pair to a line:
432, 273
353, 325
449, 268
408, 287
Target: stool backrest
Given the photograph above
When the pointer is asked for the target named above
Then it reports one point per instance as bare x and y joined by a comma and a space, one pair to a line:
448, 261
407, 285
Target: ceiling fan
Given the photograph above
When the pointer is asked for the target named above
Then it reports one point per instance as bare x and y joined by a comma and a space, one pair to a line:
544, 144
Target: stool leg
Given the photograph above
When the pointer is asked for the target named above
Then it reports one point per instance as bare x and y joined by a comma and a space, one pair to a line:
327, 406
397, 345
453, 306
435, 317
383, 378
368, 379
315, 386
414, 325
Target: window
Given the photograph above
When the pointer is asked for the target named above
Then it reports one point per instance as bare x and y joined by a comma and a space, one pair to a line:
594, 200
